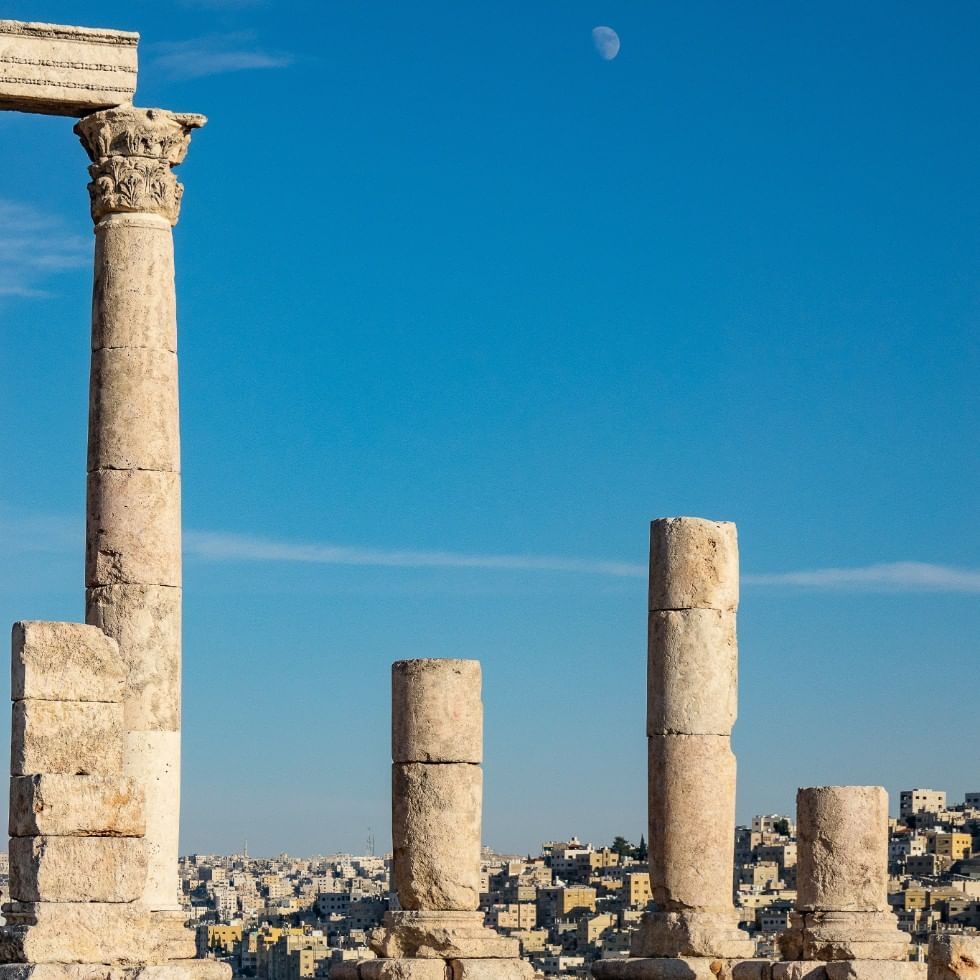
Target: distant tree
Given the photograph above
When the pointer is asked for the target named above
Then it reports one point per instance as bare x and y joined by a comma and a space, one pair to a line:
641, 852
781, 826
622, 847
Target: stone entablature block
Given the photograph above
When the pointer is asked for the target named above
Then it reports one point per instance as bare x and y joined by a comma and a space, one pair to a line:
65, 71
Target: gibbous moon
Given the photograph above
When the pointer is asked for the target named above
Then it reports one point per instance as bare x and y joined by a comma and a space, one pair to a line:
606, 42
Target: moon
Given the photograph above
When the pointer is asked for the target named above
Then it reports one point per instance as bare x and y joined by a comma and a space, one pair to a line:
606, 42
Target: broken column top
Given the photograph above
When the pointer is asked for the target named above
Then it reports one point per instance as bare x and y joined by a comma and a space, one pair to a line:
436, 711
65, 71
693, 564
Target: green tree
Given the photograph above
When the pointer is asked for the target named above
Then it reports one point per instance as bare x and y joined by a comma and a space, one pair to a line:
641, 852
622, 847
781, 826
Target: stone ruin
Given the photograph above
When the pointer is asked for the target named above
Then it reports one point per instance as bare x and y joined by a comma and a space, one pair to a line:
95, 750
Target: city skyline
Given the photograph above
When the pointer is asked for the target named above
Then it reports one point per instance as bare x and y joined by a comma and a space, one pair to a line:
462, 308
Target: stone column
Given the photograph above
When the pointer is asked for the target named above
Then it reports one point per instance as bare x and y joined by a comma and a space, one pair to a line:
436, 809
692, 700
842, 910
133, 558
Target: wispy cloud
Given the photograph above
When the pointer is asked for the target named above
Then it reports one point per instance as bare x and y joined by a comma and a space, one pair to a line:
905, 576
214, 54
33, 247
22, 533
36, 533
236, 547
897, 576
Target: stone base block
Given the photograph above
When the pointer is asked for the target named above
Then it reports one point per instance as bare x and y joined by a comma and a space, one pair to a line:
84, 932
64, 662
849, 970
77, 869
72, 737
954, 957
442, 935
494, 968
189, 970
692, 934
390, 969
490, 969
829, 936
76, 806
659, 968
681, 968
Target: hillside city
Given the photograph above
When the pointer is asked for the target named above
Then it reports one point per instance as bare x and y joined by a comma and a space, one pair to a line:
287, 918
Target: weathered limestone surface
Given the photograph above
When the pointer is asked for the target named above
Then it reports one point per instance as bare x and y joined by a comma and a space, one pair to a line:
440, 934
133, 561
437, 714
436, 818
953, 957
133, 410
390, 969
65, 71
134, 250
152, 759
798, 971
77, 869
134, 528
692, 695
692, 681
843, 936
75, 806
693, 933
657, 968
71, 737
848, 970
843, 856
84, 932
842, 879
145, 620
64, 661
875, 970
489, 969
693, 564
188, 970
692, 811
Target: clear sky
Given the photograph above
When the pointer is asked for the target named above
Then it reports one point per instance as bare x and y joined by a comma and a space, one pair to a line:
463, 306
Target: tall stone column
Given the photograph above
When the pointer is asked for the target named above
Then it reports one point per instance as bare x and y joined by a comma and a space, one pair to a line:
133, 556
842, 910
436, 810
692, 701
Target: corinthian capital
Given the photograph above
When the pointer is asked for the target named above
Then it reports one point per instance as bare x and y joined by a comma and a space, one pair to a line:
133, 153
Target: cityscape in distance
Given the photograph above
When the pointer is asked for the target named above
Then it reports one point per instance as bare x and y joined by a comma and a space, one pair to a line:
571, 904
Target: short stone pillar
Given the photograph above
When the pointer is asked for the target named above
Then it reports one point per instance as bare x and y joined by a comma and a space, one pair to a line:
77, 856
842, 910
954, 957
133, 556
436, 811
692, 685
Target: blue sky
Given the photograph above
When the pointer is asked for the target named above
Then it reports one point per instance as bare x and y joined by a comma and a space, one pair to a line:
462, 307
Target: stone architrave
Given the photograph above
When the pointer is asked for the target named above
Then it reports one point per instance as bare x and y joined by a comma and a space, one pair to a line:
65, 71
437, 786
842, 910
133, 560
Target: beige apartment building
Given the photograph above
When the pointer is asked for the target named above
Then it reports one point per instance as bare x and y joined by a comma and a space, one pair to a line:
913, 801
